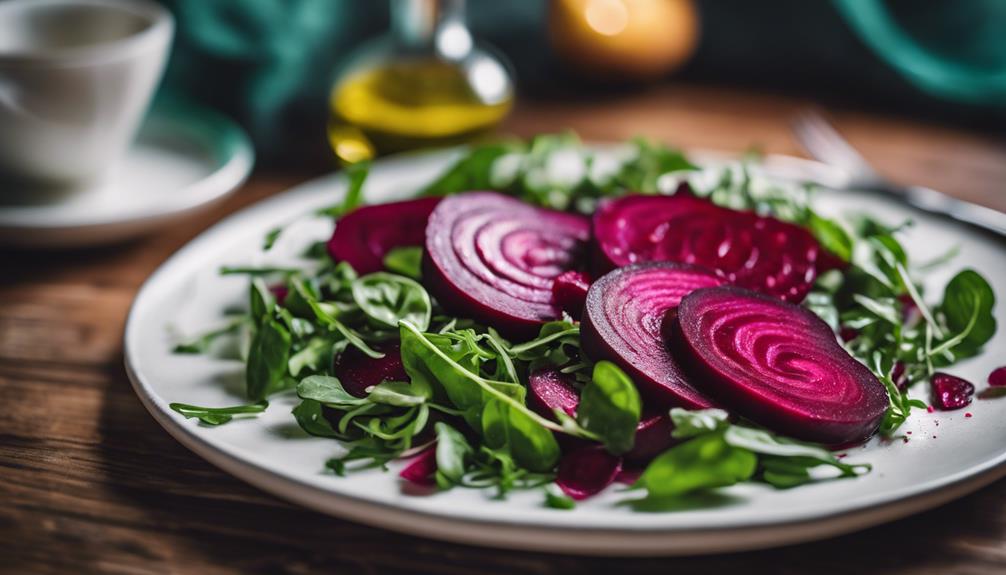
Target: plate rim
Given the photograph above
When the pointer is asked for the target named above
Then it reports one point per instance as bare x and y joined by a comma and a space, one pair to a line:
234, 159
592, 540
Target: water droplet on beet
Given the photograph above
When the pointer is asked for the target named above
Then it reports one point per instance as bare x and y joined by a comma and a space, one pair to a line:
998, 377
951, 392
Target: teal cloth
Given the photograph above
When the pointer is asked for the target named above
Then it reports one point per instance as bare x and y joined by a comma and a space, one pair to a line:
270, 63
954, 49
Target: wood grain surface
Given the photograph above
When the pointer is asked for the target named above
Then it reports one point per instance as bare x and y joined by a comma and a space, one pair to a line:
89, 483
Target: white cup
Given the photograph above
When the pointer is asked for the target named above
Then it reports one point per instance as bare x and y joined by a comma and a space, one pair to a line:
76, 78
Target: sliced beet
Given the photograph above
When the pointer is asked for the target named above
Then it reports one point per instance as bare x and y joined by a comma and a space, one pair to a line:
757, 252
493, 258
357, 372
951, 392
776, 364
569, 291
653, 437
548, 390
422, 469
587, 471
364, 236
622, 323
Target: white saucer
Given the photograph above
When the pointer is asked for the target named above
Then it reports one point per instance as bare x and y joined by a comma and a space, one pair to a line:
183, 160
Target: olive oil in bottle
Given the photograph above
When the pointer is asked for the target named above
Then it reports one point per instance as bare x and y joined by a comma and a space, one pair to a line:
427, 85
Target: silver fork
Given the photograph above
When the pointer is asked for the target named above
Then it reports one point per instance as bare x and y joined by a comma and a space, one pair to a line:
823, 142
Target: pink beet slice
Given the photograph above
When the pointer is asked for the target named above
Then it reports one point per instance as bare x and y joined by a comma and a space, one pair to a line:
950, 392
549, 390
364, 236
493, 258
776, 364
587, 471
422, 469
757, 252
570, 292
622, 323
357, 371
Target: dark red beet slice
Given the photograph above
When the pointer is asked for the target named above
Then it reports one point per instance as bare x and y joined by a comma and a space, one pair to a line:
587, 471
493, 258
757, 252
422, 469
622, 323
357, 372
998, 377
550, 390
570, 292
951, 392
364, 236
653, 437
776, 364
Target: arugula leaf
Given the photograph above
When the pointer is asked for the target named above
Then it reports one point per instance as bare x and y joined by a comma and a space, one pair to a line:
610, 407
311, 419
556, 499
261, 301
327, 390
217, 415
406, 261
690, 423
831, 236
202, 343
356, 175
389, 298
267, 359
400, 393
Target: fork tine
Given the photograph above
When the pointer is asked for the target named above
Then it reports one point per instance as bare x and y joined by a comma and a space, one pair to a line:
824, 142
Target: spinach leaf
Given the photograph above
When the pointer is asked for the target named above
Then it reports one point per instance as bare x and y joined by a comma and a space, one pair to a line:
831, 236
267, 359
703, 462
610, 407
453, 453
389, 298
406, 261
261, 301
556, 499
690, 423
217, 415
356, 175
966, 295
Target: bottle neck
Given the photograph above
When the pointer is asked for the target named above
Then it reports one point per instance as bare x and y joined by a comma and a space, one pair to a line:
431, 25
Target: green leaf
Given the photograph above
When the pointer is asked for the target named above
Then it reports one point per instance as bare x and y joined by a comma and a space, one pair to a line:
388, 299
831, 235
703, 462
556, 499
698, 422
328, 390
311, 419
610, 407
473, 171
217, 415
315, 356
261, 301
202, 343
400, 393
452, 454
326, 316
267, 359
969, 293
356, 175
406, 261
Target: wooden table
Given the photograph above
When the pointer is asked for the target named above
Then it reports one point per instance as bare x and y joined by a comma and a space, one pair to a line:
89, 483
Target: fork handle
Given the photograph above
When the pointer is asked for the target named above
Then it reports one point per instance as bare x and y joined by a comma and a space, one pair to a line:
932, 201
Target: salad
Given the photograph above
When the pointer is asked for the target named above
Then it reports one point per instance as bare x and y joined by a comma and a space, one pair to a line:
541, 316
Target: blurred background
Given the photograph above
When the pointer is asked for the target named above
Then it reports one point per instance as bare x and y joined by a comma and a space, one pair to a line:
272, 64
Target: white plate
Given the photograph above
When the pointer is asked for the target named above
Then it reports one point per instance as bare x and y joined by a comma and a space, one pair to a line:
184, 159
947, 456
